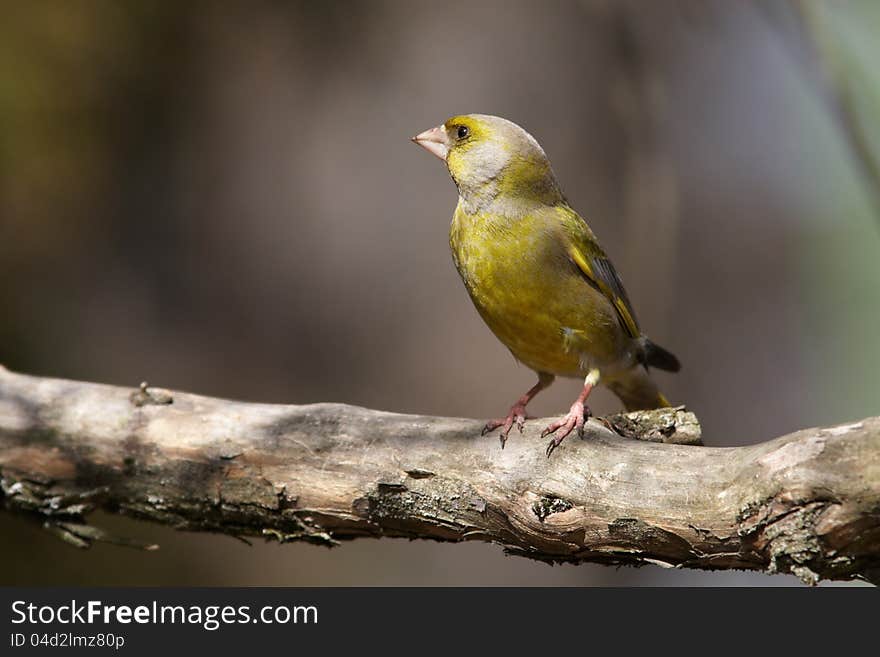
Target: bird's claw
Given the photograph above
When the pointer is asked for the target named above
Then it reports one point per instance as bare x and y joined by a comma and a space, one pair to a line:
491, 425
517, 416
575, 419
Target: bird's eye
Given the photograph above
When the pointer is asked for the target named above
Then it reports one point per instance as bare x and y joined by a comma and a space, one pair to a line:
463, 132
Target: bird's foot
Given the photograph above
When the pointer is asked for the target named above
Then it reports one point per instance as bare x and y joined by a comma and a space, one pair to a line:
565, 425
517, 416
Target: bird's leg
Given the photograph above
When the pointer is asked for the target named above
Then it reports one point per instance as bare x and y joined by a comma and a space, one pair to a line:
576, 416
517, 414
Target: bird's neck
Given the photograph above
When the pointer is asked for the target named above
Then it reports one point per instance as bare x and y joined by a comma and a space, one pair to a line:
516, 186
478, 198
501, 196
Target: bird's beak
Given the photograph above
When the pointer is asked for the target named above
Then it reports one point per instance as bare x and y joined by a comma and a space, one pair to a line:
434, 141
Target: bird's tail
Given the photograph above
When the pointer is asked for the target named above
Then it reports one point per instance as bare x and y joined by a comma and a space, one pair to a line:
653, 355
637, 390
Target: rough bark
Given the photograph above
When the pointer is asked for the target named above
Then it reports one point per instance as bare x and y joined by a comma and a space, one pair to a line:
807, 503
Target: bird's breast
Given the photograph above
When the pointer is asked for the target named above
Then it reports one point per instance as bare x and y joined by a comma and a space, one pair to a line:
531, 296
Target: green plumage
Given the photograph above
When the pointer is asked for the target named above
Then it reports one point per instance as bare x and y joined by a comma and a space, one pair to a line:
533, 268
534, 297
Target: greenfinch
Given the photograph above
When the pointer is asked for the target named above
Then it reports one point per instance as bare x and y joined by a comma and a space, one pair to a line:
537, 274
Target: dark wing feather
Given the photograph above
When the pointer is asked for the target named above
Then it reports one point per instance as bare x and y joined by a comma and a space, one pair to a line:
599, 270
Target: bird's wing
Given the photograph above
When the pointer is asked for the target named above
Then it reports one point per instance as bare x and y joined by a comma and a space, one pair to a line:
586, 253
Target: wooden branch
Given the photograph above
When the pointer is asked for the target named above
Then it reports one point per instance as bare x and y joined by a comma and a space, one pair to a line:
807, 503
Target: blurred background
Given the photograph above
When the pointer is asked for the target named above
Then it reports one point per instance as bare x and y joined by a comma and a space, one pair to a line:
223, 198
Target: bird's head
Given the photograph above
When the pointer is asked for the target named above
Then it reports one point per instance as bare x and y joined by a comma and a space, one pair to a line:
492, 159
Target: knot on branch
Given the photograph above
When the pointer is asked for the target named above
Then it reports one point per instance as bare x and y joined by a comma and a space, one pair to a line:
794, 534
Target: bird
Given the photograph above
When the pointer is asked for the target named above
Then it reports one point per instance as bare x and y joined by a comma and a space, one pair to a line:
537, 274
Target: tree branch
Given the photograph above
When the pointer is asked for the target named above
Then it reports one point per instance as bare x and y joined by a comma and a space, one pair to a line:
807, 503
